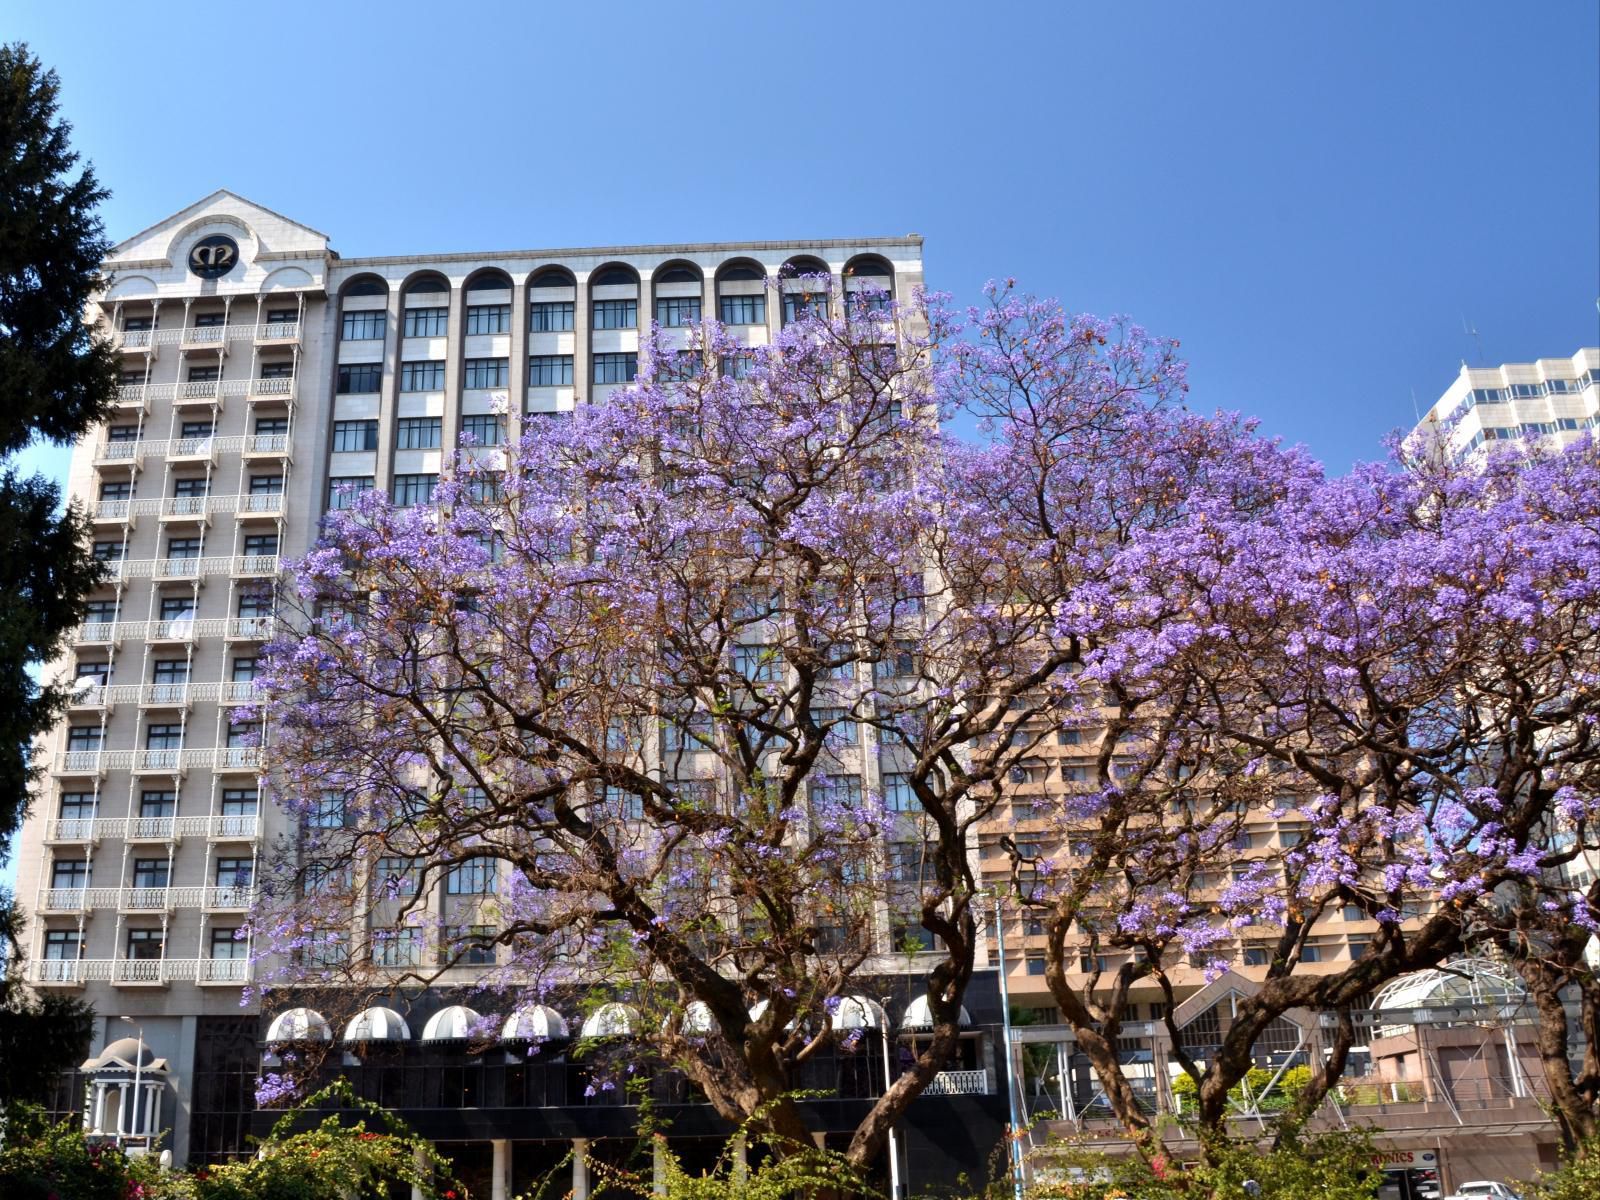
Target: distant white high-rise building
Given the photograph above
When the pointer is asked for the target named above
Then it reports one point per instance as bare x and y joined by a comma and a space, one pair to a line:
1555, 398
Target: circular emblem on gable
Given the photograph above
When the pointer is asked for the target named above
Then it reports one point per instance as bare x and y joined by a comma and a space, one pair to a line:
214, 256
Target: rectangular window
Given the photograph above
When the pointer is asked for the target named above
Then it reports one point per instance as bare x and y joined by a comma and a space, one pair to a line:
470, 945
343, 489
615, 368
81, 738
426, 322
417, 433
689, 734
191, 487
680, 366
77, 806
1256, 956
742, 310
396, 876
100, 672
837, 791
109, 551
254, 604
158, 804
674, 312
261, 543
122, 490
367, 326
277, 370
413, 489
550, 316
266, 485
137, 324
424, 376
62, 945
836, 726
245, 669
196, 429
489, 318
352, 436
151, 872
550, 370
234, 872
240, 802
163, 737
184, 547
757, 663
397, 947
176, 608
487, 373
226, 943
98, 611
244, 735
357, 379
170, 670
907, 935
483, 429
737, 365
616, 314
282, 316
145, 945
799, 306
474, 877
266, 426
209, 320
71, 873
897, 793
122, 433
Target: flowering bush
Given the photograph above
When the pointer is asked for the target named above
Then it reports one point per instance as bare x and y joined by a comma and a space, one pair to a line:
42, 1161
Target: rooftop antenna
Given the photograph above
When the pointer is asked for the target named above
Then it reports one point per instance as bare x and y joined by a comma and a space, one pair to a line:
1471, 331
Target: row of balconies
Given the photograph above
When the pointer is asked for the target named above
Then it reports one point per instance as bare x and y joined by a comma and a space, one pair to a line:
216, 827
276, 390
144, 899
237, 565
158, 762
182, 629
68, 972
277, 333
188, 508
160, 695
190, 450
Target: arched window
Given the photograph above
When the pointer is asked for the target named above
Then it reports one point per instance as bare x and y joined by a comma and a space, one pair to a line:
366, 285
428, 283
616, 275
741, 293
676, 274
489, 281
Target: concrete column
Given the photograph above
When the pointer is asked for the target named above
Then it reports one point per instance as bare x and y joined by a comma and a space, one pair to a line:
183, 1087
580, 1169
500, 1184
99, 1108
658, 1166
421, 1161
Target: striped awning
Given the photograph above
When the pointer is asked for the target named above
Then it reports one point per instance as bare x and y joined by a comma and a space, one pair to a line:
377, 1025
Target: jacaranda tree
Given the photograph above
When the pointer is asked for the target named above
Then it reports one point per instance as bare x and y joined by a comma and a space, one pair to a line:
717, 679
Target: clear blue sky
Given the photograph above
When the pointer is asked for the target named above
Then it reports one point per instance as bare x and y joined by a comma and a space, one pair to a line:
1312, 201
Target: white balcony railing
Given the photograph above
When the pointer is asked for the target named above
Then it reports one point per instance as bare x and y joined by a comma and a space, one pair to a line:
209, 390
222, 970
72, 829
57, 970
71, 972
229, 897
150, 829
230, 827
959, 1083
266, 443
278, 331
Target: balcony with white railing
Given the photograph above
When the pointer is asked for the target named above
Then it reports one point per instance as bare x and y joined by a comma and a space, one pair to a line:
66, 972
188, 508
72, 829
278, 333
175, 568
83, 762
233, 971
95, 697
251, 629
254, 565
96, 633
239, 692
959, 1083
279, 389
64, 900
199, 393
123, 453
266, 445
171, 695
192, 449
134, 339
237, 758
112, 512
161, 762
57, 972
232, 827
150, 829
229, 899
204, 337
261, 506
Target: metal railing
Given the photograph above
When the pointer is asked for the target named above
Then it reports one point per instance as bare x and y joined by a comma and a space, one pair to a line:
139, 970
959, 1083
219, 758
216, 826
144, 899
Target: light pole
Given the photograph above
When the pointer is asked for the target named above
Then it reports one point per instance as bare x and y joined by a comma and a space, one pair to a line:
138, 1064
894, 1149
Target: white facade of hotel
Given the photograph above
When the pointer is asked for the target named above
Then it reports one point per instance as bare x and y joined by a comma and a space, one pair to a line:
249, 402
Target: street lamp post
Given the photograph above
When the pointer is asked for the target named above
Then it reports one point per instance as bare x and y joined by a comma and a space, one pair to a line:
138, 1064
